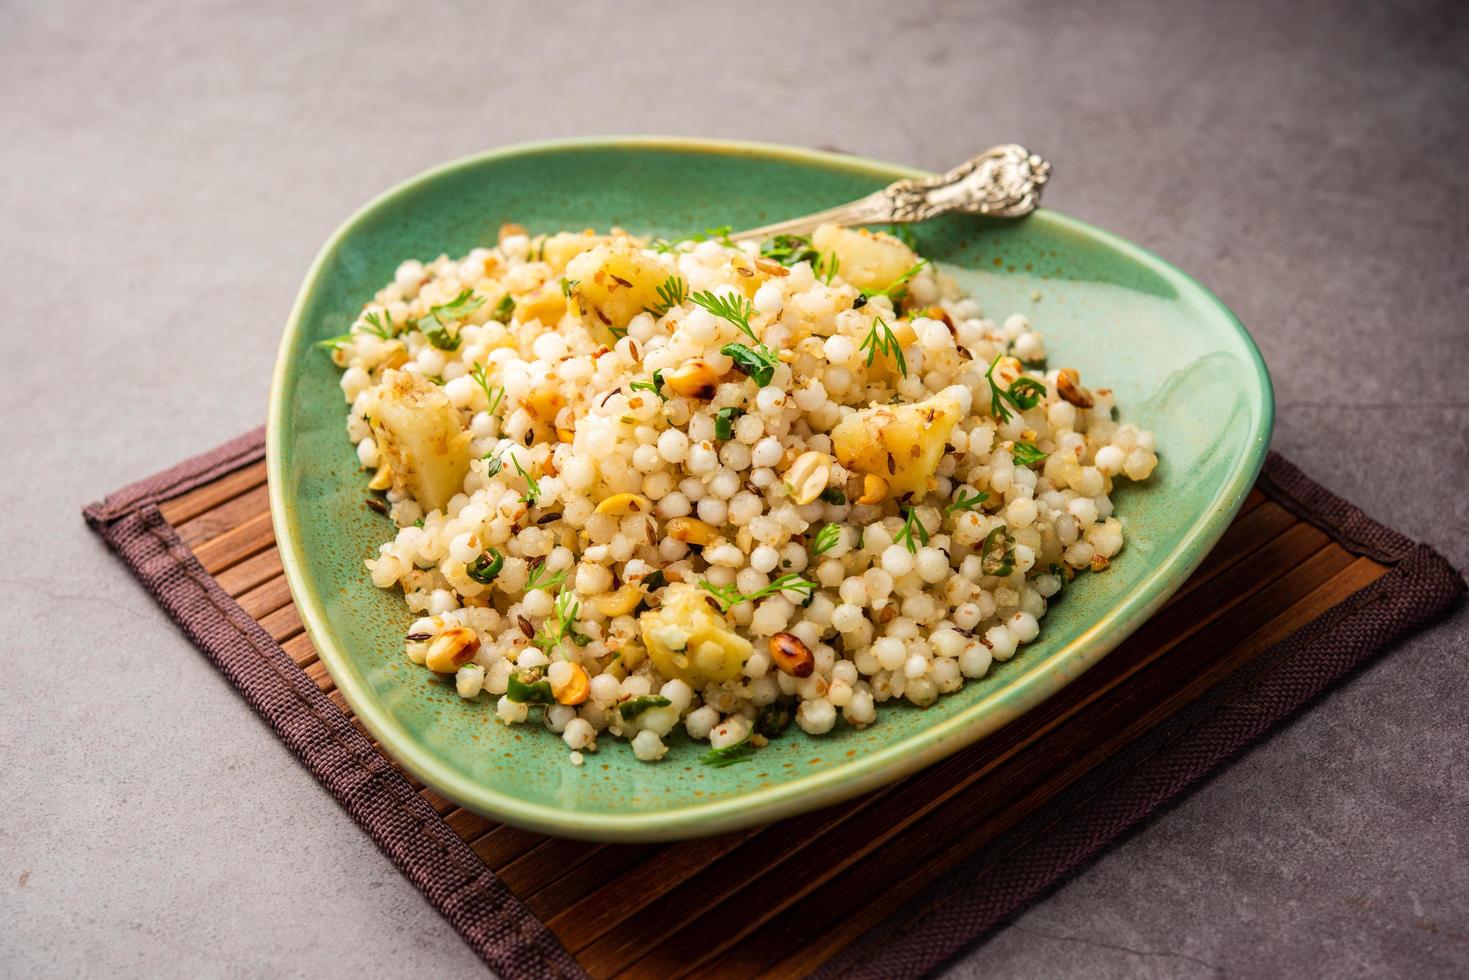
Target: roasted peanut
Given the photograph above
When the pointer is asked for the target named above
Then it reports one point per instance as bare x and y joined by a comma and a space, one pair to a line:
691, 530
1068, 384
791, 655
620, 602
808, 476
695, 379
451, 650
623, 504
941, 315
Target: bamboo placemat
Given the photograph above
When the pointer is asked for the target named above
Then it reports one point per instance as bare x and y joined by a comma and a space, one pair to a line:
1301, 589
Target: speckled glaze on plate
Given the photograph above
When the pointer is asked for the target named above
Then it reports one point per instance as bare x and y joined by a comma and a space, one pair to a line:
1180, 362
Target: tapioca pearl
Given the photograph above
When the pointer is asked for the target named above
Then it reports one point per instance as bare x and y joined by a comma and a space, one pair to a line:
1001, 642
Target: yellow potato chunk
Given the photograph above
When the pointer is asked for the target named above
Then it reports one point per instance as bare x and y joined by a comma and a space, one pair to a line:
866, 259
690, 640
615, 282
545, 303
564, 246
419, 435
901, 444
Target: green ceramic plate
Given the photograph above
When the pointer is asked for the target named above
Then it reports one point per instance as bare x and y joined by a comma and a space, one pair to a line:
1180, 362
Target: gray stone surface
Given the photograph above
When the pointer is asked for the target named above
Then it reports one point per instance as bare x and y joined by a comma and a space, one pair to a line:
168, 171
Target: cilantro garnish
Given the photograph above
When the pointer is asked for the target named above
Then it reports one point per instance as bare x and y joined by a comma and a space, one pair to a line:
912, 526
724, 422
532, 488
1024, 393
962, 502
672, 293
1026, 454
493, 393
881, 340
728, 596
826, 539
655, 386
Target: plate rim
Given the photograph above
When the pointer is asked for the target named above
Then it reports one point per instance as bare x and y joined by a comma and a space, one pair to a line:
814, 789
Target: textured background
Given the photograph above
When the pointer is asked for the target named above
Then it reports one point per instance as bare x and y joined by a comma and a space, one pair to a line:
168, 172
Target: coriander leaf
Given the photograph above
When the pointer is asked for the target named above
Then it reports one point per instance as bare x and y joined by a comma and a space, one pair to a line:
898, 286
725, 595
758, 362
655, 386
912, 526
1023, 393
720, 234
551, 580
504, 309
998, 395
832, 495
439, 336
729, 596
788, 249
495, 463
826, 539
457, 308
435, 326
380, 324
881, 340
493, 393
724, 422
1026, 454
1026, 393
562, 624
532, 488
672, 293
825, 267
962, 502
735, 309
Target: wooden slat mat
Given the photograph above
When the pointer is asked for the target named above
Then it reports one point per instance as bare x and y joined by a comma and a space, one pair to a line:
783, 899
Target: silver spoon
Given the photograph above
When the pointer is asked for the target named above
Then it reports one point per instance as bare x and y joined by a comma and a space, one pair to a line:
1002, 182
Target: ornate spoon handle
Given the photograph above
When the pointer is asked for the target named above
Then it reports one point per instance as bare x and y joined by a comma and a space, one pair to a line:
1002, 182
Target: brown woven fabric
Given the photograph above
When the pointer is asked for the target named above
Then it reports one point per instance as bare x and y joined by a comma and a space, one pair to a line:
953, 911
495, 923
